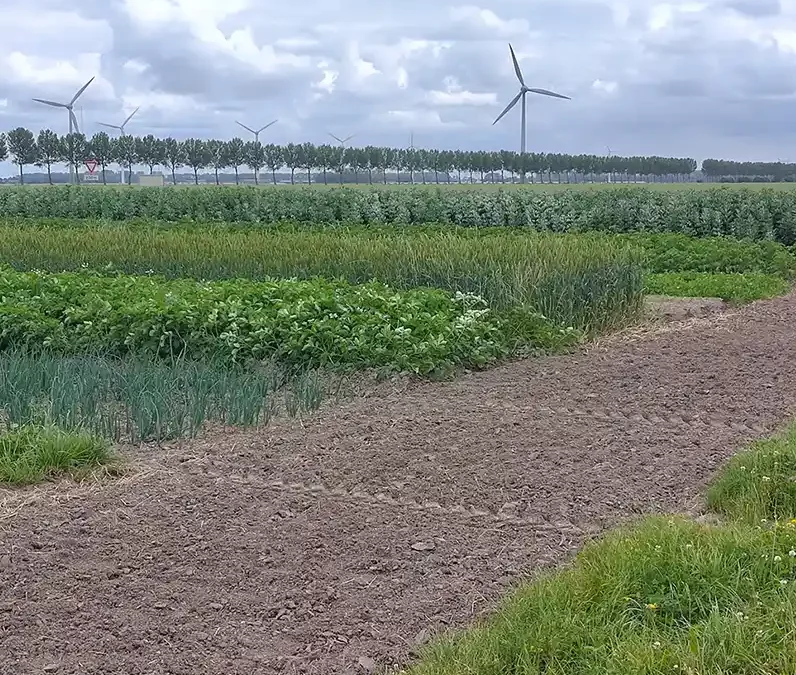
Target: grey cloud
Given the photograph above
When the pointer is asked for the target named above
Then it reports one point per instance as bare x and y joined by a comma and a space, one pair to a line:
756, 8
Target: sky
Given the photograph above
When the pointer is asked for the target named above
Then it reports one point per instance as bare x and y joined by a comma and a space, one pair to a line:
710, 78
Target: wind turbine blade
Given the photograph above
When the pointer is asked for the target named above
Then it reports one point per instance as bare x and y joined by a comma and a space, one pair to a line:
74, 121
80, 91
110, 126
547, 92
347, 138
245, 127
507, 108
516, 65
130, 117
339, 140
52, 103
266, 126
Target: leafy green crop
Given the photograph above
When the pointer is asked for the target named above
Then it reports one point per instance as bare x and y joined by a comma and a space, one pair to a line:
734, 287
313, 323
739, 212
681, 253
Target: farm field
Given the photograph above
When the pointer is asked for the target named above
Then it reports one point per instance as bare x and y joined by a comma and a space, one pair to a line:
314, 432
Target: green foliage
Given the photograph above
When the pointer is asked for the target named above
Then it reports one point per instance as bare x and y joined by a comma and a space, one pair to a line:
739, 288
313, 323
665, 596
139, 398
743, 213
758, 484
681, 253
588, 284
22, 147
31, 454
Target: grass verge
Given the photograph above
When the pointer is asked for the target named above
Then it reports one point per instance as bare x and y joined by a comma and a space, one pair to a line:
759, 484
666, 595
30, 454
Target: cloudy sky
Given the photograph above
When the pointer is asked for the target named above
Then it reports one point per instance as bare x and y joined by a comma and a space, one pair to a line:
709, 78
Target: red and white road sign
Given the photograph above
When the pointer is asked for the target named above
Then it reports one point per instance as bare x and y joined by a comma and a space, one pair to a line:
91, 165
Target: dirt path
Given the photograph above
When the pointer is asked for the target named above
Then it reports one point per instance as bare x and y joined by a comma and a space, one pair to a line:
301, 550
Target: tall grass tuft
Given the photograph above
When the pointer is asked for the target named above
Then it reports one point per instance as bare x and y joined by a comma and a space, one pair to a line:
30, 454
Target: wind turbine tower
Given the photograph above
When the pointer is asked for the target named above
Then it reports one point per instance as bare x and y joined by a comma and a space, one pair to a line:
524, 89
73, 125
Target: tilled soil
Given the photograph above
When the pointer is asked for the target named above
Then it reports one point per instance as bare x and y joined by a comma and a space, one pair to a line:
345, 542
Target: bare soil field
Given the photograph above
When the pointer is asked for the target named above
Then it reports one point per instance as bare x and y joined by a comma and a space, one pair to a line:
340, 544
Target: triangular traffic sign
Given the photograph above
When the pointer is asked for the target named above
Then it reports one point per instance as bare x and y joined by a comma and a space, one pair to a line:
91, 165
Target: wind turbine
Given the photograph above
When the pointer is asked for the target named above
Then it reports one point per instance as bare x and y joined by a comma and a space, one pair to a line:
121, 127
73, 126
257, 132
524, 89
342, 142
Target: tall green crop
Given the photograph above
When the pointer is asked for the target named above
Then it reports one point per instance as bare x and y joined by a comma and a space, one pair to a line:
758, 214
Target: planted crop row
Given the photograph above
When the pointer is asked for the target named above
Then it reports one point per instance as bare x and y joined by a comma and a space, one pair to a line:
591, 284
738, 212
313, 323
138, 398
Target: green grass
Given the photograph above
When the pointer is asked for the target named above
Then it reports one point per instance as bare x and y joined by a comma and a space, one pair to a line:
739, 288
591, 284
32, 454
137, 398
759, 484
664, 595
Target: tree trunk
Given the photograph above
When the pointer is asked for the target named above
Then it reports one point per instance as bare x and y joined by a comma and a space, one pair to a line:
273, 174
174, 175
217, 183
236, 175
325, 181
292, 175
370, 176
256, 178
21, 177
49, 175
309, 176
103, 175
196, 176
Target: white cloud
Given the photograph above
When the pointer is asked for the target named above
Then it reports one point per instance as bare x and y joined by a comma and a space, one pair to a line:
480, 18
455, 95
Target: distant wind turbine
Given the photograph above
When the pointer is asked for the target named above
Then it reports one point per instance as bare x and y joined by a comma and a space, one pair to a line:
342, 142
257, 131
73, 125
121, 127
524, 89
